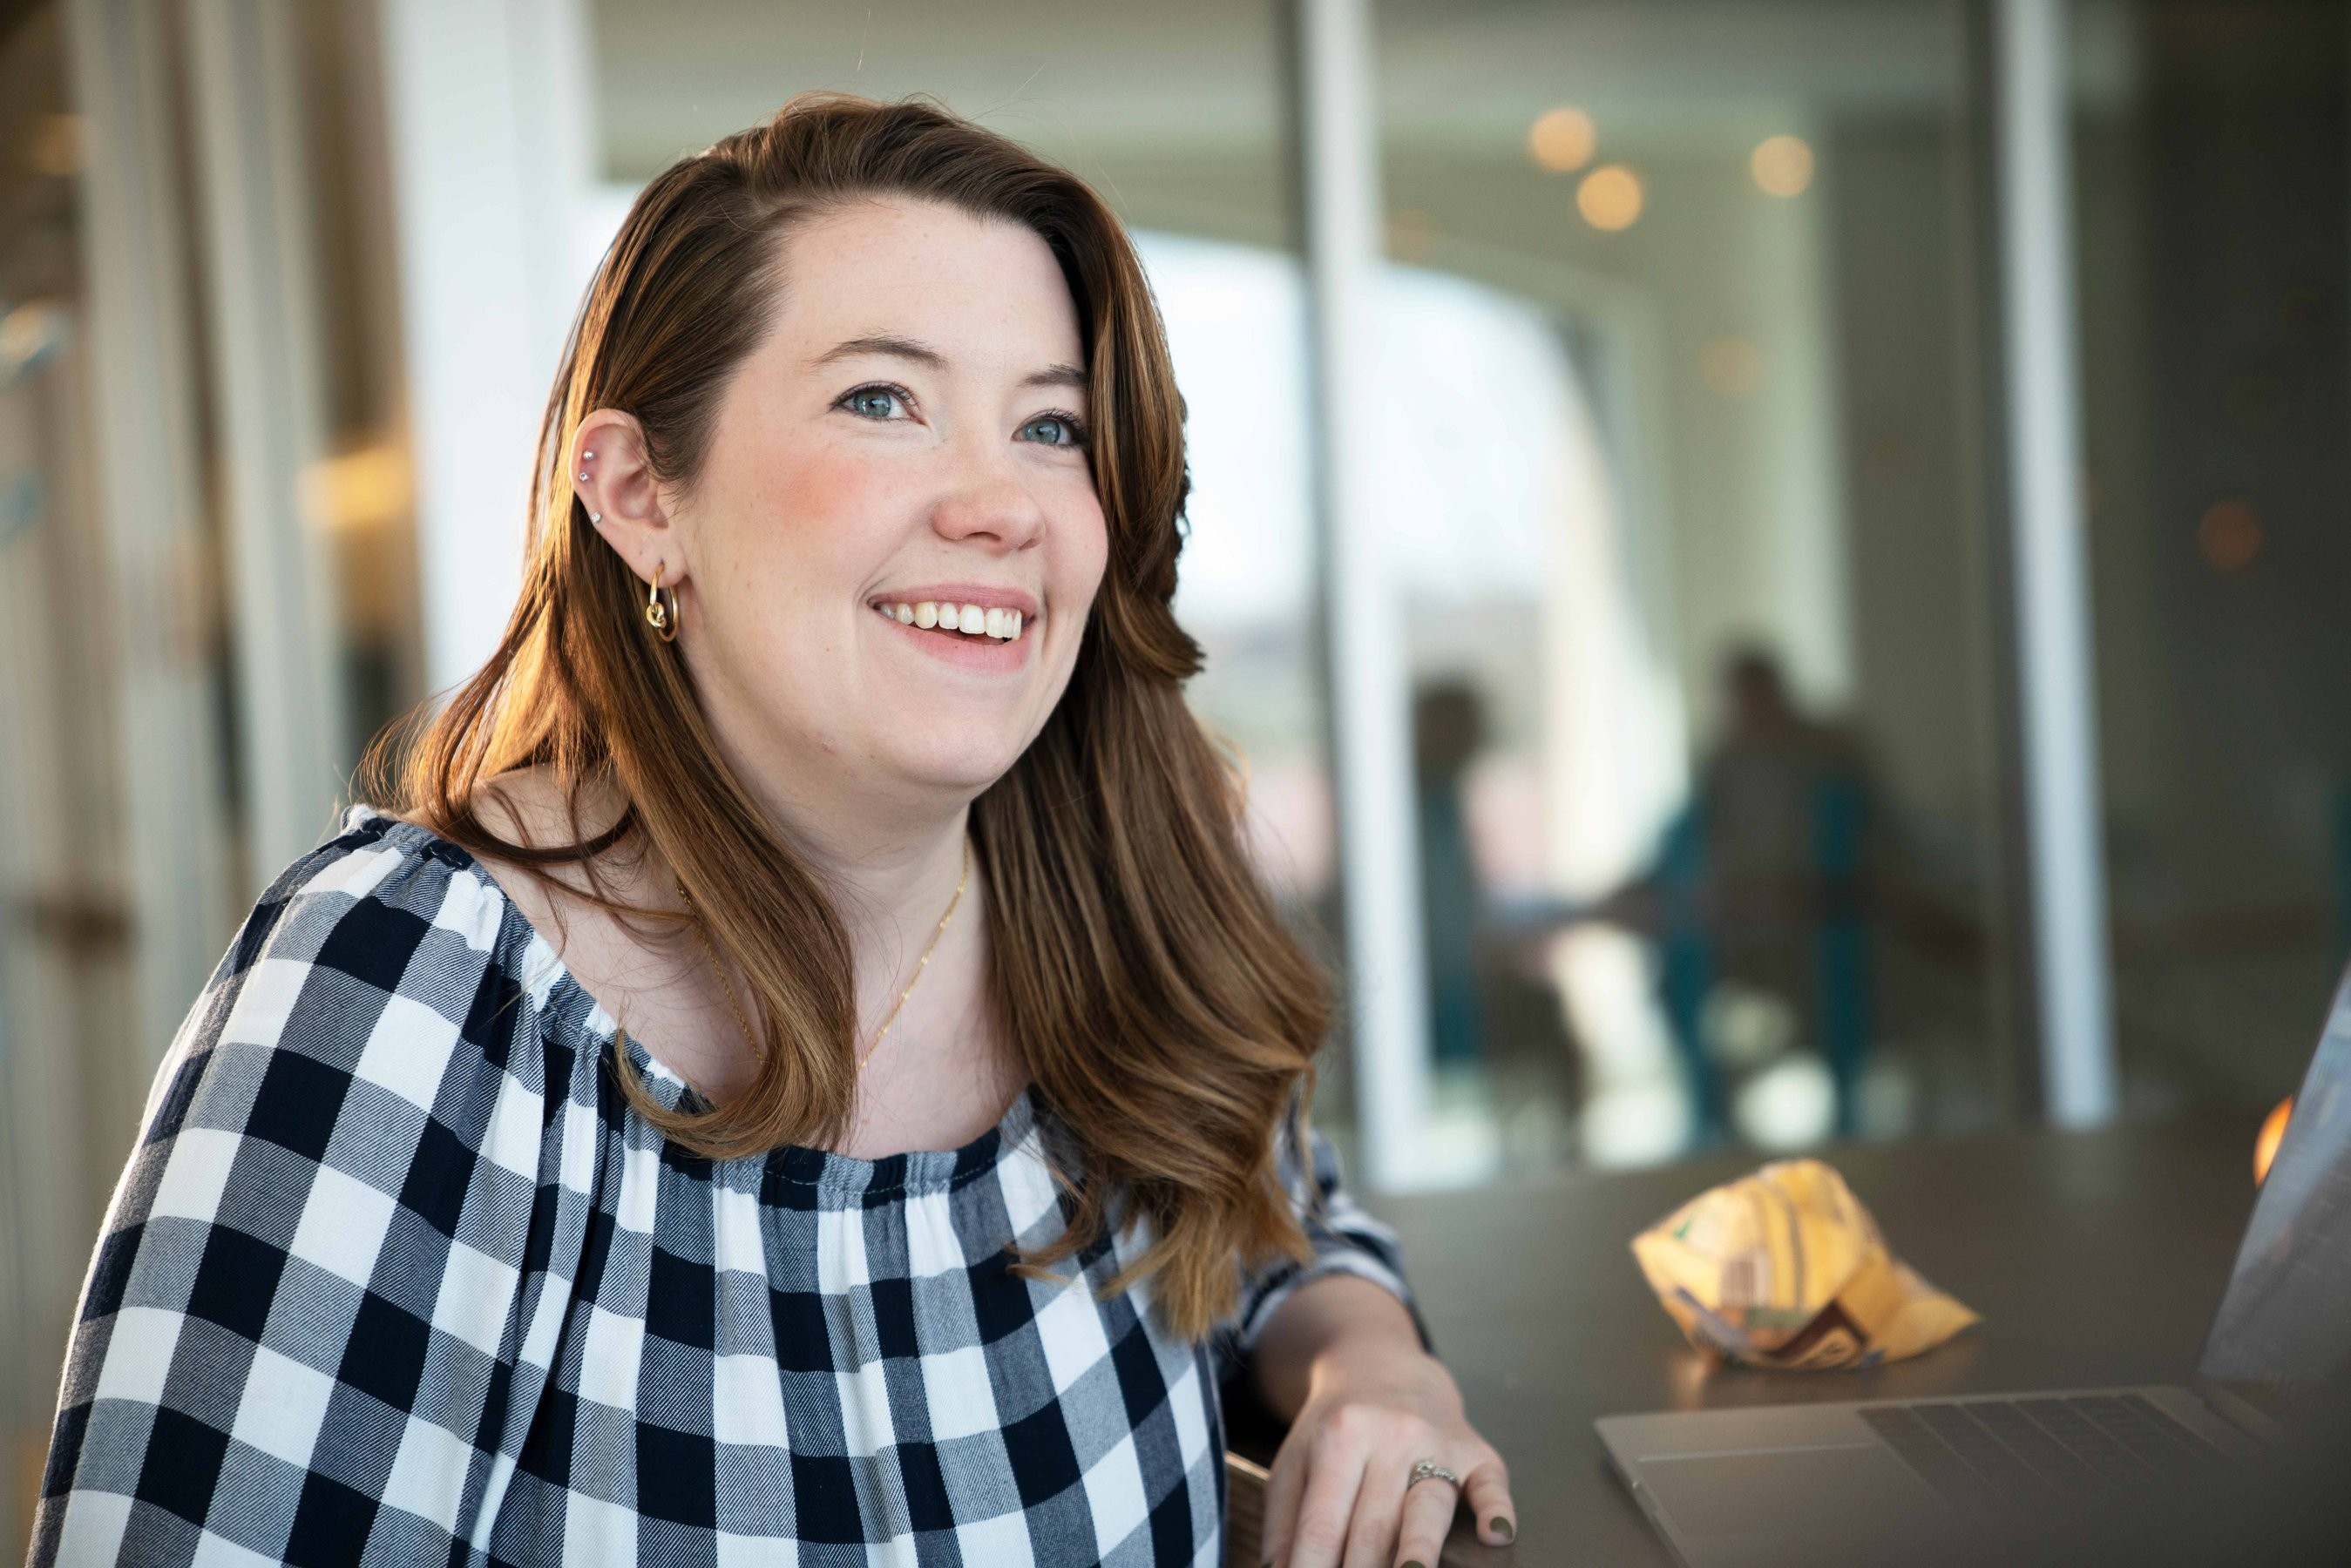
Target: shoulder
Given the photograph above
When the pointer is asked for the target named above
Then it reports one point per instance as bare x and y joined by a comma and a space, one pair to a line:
382, 888
379, 1132
559, 899
389, 916
383, 976
530, 807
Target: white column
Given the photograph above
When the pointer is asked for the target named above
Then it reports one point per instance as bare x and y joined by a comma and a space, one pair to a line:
150, 489
1386, 983
2060, 733
261, 260
492, 131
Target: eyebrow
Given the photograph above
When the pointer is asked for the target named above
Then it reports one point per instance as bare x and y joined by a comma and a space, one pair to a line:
885, 343
891, 346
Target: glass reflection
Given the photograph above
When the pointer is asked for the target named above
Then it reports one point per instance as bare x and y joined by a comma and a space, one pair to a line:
1680, 482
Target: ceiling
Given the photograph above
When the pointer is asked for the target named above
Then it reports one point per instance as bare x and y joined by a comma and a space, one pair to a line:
1125, 81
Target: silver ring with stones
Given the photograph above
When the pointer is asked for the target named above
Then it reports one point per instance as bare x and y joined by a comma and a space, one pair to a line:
1429, 1470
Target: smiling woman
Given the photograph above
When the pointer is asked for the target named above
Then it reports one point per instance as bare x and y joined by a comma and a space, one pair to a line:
803, 1059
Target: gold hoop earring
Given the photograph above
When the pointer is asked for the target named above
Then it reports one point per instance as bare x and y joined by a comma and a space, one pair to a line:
663, 617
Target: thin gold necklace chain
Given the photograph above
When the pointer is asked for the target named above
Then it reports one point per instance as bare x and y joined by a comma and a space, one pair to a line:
881, 1034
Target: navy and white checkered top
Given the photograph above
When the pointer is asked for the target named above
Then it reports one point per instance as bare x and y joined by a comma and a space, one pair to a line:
396, 1275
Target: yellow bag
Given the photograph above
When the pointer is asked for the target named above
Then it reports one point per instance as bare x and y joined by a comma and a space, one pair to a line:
1786, 1269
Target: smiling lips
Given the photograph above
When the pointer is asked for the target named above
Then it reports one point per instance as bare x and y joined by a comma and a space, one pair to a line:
972, 620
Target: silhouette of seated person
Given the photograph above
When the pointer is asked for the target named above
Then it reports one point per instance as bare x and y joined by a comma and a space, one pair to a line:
1448, 731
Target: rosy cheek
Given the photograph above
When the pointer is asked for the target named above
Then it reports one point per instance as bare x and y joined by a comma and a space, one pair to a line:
1091, 557
826, 505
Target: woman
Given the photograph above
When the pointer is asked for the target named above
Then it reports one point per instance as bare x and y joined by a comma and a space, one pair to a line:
606, 1155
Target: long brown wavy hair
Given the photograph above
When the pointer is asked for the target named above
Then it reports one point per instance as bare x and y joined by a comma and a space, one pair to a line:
1167, 1017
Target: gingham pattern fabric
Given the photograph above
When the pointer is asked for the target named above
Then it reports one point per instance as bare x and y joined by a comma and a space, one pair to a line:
396, 1275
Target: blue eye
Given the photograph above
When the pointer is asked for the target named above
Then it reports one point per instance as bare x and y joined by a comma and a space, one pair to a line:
875, 402
1054, 429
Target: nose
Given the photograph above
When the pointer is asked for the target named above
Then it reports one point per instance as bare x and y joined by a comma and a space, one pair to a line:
988, 506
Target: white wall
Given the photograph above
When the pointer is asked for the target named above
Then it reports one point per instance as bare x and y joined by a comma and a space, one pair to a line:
493, 138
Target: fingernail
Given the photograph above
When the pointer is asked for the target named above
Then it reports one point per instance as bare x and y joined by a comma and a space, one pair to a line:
1502, 1527
1414, 1562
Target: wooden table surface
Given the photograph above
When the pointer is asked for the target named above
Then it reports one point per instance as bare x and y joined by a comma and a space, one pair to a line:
2096, 1259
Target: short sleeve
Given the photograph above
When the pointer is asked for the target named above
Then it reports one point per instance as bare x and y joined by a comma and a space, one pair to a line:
307, 1328
1345, 1239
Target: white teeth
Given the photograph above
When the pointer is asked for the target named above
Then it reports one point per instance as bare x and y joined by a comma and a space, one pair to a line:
972, 620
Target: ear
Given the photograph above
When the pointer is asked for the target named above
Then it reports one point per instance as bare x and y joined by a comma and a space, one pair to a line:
613, 477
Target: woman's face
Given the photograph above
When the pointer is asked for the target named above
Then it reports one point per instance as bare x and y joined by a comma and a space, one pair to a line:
895, 539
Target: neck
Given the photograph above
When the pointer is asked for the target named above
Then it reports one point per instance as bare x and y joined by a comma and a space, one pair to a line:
891, 866
890, 885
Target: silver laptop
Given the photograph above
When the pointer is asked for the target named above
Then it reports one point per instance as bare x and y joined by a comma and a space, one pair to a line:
1887, 1481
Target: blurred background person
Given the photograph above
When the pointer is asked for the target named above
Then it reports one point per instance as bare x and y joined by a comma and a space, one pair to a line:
1756, 898
1448, 731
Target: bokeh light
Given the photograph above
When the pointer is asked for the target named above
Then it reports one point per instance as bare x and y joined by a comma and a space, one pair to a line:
2230, 534
1610, 198
1411, 234
1790, 1105
1730, 365
57, 146
370, 487
1783, 165
2273, 1133
1562, 140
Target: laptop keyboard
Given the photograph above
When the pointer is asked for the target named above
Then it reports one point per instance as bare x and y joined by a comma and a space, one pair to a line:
1990, 1454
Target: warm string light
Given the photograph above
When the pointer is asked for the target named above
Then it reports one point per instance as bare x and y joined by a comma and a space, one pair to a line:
1782, 165
1562, 140
1610, 198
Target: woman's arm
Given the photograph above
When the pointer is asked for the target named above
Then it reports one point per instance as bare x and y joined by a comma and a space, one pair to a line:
1341, 1360
1339, 1351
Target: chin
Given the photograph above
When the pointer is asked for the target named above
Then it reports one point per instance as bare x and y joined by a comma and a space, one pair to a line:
969, 773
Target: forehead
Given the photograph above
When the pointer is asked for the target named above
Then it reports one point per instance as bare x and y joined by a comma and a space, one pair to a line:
986, 291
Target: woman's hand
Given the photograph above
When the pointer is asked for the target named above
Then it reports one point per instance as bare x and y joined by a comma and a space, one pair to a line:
1341, 1494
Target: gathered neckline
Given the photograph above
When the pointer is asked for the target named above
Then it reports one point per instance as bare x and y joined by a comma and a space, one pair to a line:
787, 1165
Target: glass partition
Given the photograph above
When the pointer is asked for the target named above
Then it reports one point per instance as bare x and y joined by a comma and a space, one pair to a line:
1688, 499
2215, 265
